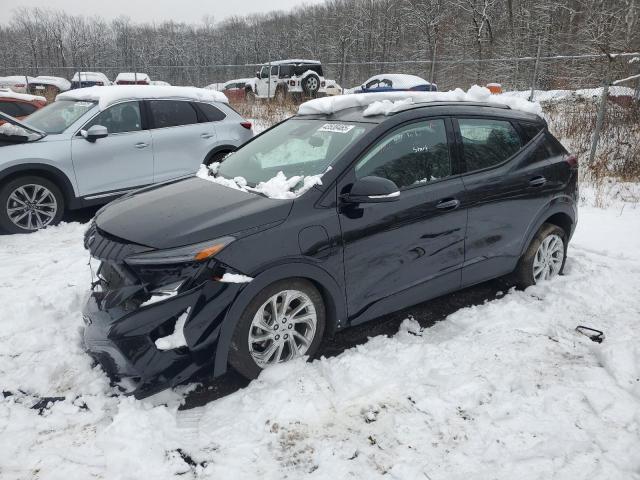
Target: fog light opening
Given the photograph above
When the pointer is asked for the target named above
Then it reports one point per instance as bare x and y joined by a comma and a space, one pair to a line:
175, 339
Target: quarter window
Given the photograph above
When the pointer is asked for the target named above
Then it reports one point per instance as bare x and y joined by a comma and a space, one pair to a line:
121, 118
487, 142
172, 113
413, 155
211, 113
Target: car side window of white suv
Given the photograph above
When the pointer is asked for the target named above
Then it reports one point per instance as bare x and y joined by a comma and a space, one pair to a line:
120, 118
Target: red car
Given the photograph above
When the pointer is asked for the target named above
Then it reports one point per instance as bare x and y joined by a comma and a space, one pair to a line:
19, 105
235, 90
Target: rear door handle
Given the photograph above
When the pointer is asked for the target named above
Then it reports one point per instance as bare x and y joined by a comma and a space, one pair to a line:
206, 135
142, 145
537, 181
448, 204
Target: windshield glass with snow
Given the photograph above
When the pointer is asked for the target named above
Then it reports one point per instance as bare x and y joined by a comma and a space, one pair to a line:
296, 148
58, 116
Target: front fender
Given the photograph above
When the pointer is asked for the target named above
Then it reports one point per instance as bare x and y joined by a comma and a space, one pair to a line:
332, 293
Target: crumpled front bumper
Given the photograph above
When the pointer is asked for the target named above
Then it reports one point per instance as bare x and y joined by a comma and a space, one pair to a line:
122, 341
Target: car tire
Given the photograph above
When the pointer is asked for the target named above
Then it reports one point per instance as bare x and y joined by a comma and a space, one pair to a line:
311, 85
37, 192
544, 258
277, 337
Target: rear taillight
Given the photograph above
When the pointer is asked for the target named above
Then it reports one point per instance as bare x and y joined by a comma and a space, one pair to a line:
246, 125
19, 85
292, 83
572, 160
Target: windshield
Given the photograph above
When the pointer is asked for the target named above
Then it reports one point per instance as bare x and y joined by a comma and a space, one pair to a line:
295, 148
58, 116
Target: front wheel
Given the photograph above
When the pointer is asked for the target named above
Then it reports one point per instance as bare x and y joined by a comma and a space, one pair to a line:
30, 203
545, 257
284, 321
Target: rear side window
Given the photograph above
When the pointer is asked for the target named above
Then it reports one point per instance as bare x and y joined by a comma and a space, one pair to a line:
487, 142
530, 130
11, 108
413, 155
211, 113
172, 113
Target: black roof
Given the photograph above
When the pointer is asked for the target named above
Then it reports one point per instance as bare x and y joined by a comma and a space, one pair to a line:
355, 114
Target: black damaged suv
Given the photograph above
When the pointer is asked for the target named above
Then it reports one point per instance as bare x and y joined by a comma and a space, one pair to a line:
212, 271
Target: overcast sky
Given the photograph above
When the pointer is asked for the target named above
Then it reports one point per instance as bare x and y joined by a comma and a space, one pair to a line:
157, 10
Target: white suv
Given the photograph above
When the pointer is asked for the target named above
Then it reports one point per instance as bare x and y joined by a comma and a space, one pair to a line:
284, 78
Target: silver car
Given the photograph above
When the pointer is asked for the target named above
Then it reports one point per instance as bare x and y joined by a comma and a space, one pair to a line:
92, 145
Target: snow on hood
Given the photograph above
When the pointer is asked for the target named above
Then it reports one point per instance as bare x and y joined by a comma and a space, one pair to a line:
386, 103
106, 96
8, 93
279, 187
132, 77
61, 83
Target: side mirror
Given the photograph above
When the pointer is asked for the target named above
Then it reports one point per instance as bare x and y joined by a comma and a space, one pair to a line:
94, 133
257, 74
372, 189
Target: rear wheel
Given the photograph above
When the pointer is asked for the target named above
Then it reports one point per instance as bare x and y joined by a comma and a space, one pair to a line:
216, 157
545, 257
311, 85
30, 203
284, 321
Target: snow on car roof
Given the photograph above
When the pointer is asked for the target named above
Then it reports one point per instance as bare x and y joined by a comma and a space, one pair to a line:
8, 93
237, 80
62, 83
400, 79
132, 77
91, 77
11, 79
386, 103
106, 96
294, 60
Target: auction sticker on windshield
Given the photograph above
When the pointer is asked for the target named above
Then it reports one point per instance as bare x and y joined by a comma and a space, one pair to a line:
336, 128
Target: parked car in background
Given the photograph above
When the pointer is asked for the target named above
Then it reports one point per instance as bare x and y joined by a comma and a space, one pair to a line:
49, 87
101, 142
19, 105
235, 90
333, 88
159, 83
413, 203
393, 82
129, 78
17, 83
89, 79
284, 78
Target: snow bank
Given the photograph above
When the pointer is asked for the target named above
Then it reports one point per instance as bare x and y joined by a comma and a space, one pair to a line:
561, 95
106, 96
279, 187
132, 77
502, 390
385, 103
8, 93
61, 84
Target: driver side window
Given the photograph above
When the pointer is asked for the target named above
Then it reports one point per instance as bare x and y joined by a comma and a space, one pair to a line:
412, 155
120, 118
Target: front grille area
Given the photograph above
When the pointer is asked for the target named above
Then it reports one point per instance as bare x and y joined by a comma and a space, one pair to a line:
106, 247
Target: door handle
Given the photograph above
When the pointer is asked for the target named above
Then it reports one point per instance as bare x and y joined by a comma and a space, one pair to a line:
206, 135
448, 204
538, 181
142, 145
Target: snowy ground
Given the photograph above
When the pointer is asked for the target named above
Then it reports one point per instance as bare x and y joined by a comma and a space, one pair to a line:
504, 390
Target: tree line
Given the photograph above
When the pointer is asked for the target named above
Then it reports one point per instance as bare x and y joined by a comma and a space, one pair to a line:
453, 43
